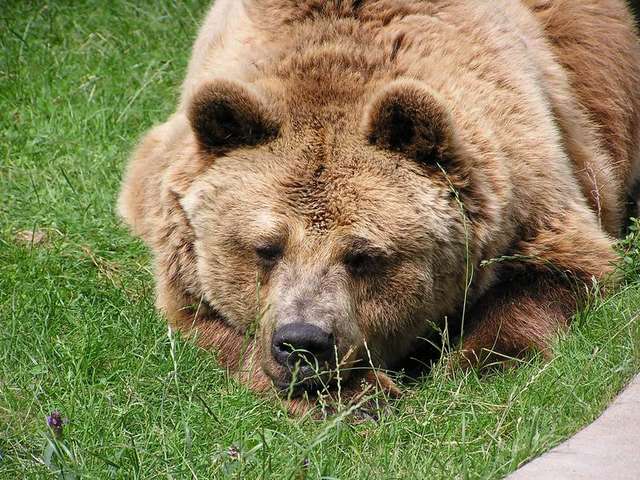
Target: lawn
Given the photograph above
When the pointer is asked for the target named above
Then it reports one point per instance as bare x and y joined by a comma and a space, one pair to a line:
79, 83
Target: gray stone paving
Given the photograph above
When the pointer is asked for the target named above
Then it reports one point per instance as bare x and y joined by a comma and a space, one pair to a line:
608, 449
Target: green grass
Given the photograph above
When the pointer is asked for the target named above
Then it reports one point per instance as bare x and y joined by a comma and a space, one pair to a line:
79, 82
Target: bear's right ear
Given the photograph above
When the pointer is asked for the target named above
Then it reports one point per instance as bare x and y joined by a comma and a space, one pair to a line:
407, 117
225, 115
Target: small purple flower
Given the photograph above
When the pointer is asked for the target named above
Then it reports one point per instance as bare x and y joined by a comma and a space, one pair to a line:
233, 452
56, 423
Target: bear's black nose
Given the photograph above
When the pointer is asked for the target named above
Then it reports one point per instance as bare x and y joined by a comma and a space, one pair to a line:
304, 344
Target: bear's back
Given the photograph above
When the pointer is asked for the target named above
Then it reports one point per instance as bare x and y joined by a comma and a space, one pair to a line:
526, 70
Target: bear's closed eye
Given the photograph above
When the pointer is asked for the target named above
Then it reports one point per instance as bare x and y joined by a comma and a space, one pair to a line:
364, 263
269, 254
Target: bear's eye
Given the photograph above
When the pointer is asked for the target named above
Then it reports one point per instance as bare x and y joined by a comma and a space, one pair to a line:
269, 255
363, 263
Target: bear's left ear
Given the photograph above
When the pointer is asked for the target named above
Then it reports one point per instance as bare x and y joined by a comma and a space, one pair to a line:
225, 115
407, 117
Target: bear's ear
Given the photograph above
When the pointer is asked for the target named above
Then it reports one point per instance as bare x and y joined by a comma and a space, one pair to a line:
225, 115
406, 117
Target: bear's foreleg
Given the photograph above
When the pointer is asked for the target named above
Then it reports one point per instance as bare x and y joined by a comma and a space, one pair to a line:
520, 316
536, 297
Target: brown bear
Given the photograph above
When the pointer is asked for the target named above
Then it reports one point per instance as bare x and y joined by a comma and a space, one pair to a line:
342, 179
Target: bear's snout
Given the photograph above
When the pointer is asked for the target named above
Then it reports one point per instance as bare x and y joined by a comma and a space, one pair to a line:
305, 350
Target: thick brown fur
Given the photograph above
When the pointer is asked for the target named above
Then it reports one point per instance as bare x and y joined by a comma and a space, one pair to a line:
476, 155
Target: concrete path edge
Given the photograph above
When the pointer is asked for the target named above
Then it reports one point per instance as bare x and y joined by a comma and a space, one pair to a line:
609, 448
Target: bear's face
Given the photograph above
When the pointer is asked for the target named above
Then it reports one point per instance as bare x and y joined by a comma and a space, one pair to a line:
335, 246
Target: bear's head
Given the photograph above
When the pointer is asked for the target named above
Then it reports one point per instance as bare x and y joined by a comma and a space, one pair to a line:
339, 234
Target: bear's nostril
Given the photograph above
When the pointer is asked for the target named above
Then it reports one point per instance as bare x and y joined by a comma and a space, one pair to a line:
302, 343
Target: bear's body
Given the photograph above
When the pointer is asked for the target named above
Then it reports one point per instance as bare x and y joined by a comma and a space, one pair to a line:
375, 169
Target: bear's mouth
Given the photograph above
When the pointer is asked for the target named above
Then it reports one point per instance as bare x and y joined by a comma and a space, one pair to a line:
296, 389
296, 380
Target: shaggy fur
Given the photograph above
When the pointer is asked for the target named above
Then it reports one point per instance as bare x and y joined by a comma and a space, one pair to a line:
381, 167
